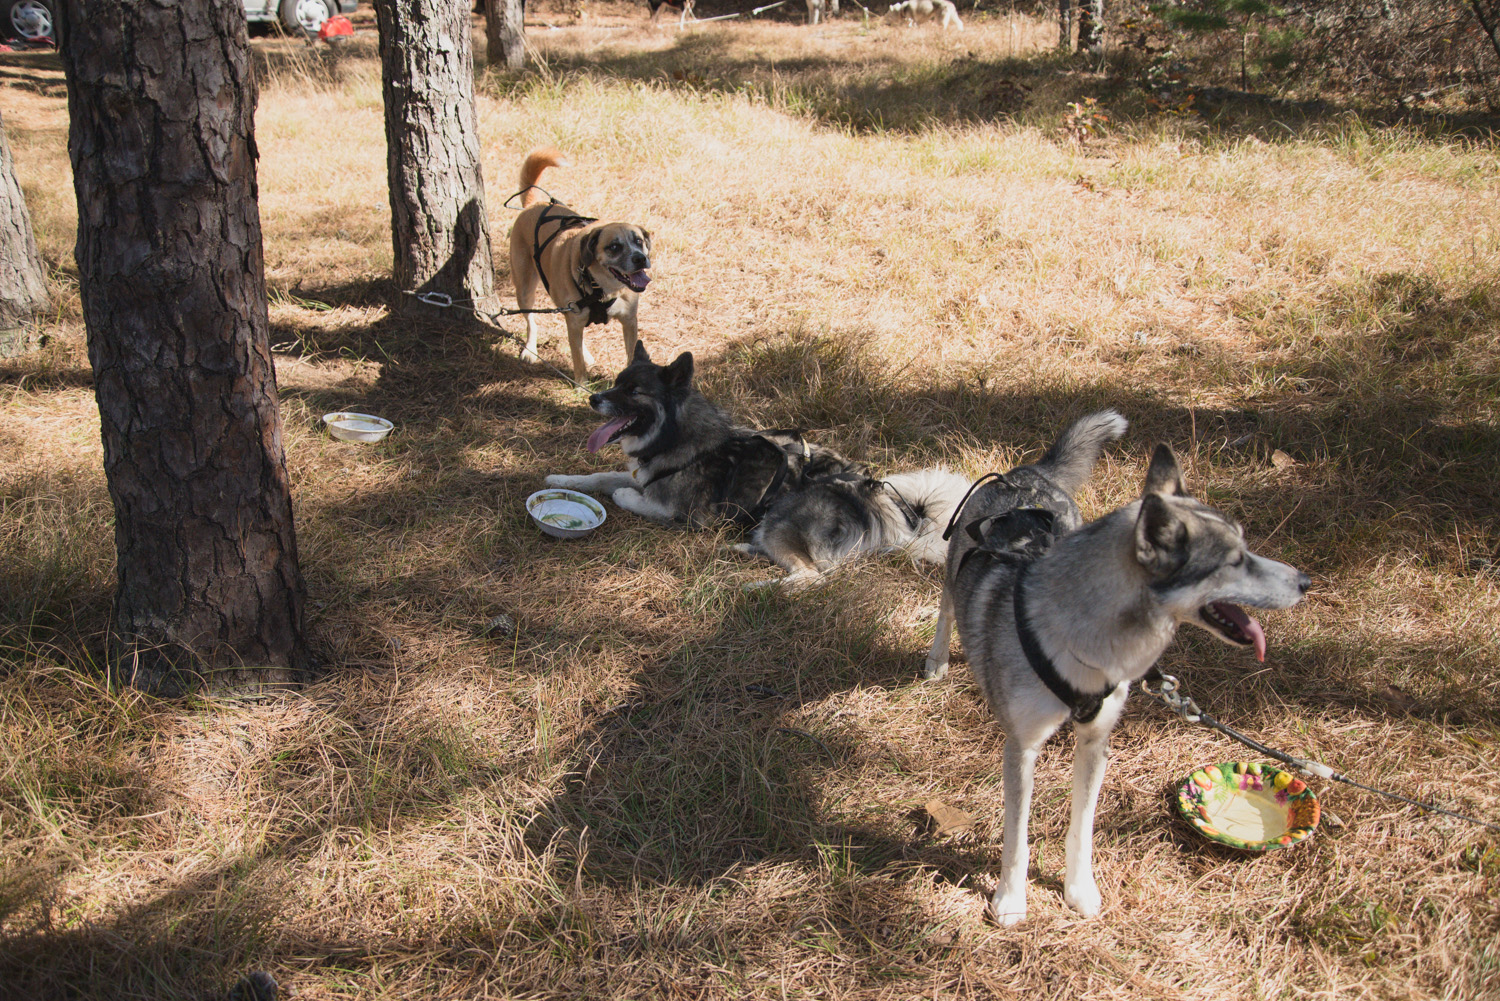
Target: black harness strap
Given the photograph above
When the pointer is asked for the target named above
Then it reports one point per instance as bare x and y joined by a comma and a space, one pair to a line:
794, 459
593, 297
953, 518
1084, 706
1020, 537
566, 220
907, 511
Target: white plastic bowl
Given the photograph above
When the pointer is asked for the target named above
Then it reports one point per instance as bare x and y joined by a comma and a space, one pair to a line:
566, 514
357, 427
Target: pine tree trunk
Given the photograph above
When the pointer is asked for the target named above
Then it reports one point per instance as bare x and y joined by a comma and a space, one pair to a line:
1065, 25
162, 101
504, 32
1091, 26
23, 282
439, 232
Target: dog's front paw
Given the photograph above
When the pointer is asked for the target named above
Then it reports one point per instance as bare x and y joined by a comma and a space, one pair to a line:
1083, 898
933, 671
1008, 909
559, 480
746, 548
626, 497
528, 354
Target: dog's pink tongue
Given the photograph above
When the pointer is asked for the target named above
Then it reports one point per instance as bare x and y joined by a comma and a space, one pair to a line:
600, 437
638, 280
1248, 625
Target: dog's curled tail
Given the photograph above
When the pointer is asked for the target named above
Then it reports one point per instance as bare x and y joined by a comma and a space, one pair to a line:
537, 161
1070, 461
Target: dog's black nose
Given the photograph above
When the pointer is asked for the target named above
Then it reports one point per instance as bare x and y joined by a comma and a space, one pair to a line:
1303, 582
597, 398
640, 262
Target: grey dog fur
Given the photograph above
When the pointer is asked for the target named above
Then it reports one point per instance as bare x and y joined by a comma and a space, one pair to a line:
1103, 602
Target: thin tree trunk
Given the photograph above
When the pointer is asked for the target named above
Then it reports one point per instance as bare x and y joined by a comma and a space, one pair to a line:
439, 232
1065, 25
172, 278
1091, 26
23, 282
1487, 21
504, 32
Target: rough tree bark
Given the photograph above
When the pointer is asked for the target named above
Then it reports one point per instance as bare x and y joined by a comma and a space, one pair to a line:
23, 282
1065, 25
439, 232
162, 101
1091, 26
504, 32
1489, 22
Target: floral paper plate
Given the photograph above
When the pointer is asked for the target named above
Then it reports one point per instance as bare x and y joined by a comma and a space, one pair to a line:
1248, 805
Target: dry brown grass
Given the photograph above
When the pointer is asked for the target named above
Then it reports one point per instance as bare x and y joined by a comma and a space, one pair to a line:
663, 787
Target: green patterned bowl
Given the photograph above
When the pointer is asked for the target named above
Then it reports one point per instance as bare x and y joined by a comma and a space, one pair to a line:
1245, 804
566, 514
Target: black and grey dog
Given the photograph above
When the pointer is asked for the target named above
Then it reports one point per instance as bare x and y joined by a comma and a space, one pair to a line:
835, 518
687, 462
1058, 620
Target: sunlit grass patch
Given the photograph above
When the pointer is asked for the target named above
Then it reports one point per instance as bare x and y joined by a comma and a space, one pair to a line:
645, 780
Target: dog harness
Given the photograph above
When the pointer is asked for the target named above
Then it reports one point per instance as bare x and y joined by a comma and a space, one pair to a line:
1020, 537
593, 296
739, 450
913, 519
1084, 706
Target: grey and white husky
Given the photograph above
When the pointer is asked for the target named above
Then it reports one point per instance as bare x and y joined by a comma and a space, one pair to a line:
837, 517
687, 461
1058, 620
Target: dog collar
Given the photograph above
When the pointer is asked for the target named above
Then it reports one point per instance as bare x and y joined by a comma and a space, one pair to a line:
1084, 706
593, 298
907, 511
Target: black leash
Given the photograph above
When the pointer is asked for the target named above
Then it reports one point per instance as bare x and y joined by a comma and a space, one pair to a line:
1167, 692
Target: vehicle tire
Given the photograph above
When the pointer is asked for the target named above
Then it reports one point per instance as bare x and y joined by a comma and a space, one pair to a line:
304, 16
29, 20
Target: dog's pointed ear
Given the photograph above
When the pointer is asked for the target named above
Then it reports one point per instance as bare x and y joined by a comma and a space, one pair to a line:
679, 374
641, 354
1160, 536
588, 250
1164, 476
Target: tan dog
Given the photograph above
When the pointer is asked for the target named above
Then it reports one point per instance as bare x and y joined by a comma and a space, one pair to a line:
594, 270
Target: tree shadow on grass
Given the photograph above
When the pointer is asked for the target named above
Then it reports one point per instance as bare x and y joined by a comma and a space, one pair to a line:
878, 91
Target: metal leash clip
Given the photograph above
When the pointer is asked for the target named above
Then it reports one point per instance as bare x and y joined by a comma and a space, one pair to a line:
442, 300
1166, 692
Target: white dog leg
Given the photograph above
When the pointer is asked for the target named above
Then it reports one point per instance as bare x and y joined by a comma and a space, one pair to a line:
635, 502
594, 483
936, 668
794, 581
1090, 758
528, 353
1009, 902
